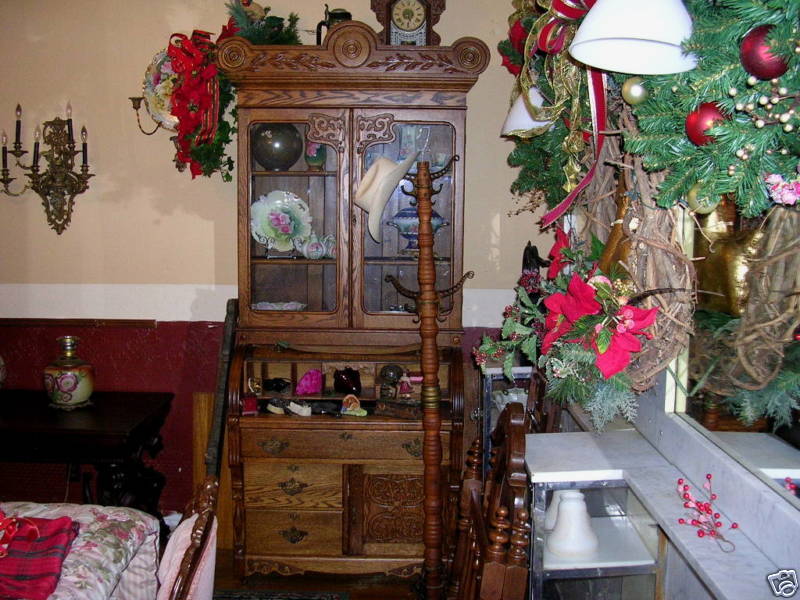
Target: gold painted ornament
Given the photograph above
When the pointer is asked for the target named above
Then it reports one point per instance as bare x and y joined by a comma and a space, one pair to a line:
634, 91
727, 252
700, 203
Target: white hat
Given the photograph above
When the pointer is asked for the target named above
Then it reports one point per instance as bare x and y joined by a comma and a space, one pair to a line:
377, 186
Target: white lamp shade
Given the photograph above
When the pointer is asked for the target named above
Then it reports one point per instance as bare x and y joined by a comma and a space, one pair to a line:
635, 36
519, 119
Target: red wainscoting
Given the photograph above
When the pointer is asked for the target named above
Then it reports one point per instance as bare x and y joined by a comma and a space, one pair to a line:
178, 357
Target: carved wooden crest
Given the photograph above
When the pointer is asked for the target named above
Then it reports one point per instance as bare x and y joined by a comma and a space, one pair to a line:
352, 57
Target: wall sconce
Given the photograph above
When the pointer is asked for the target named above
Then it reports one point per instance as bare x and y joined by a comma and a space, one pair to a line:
58, 184
136, 101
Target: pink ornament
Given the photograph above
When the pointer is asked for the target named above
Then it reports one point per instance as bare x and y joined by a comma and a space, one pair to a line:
310, 383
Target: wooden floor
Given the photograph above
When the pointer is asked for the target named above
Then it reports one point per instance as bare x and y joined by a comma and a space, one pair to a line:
360, 588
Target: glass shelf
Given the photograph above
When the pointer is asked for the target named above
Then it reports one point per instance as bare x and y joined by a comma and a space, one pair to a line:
288, 260
619, 546
294, 173
400, 260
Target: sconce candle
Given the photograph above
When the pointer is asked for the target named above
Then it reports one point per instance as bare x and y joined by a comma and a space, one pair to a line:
36, 135
58, 182
84, 147
69, 124
18, 127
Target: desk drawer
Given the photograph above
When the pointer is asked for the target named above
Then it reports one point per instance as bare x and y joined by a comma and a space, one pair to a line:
291, 485
352, 445
298, 533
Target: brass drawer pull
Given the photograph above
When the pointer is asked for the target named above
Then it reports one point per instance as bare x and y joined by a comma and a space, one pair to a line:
414, 448
273, 446
293, 535
292, 487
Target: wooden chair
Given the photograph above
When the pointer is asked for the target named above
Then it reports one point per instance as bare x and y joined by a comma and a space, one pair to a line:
491, 554
188, 563
199, 556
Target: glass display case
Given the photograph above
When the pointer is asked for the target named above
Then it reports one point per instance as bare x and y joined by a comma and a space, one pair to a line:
311, 122
628, 563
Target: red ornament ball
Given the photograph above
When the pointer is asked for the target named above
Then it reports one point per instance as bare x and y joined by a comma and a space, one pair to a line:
700, 120
756, 57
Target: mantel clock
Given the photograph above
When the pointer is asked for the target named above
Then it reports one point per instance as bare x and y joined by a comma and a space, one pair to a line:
409, 22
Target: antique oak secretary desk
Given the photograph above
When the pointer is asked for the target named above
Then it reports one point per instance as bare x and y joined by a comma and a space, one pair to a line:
330, 493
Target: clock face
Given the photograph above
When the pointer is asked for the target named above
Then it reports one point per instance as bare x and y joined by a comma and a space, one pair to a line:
408, 15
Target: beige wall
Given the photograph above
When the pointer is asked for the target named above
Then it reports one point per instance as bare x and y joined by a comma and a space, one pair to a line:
142, 222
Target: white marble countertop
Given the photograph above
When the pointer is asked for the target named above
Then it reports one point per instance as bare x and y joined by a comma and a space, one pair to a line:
580, 456
626, 455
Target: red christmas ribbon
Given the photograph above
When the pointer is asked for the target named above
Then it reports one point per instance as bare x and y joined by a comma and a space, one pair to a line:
563, 13
597, 99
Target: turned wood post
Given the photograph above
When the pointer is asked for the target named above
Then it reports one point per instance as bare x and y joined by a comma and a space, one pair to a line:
428, 311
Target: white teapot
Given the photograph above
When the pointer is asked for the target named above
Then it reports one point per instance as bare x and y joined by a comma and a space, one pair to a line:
310, 247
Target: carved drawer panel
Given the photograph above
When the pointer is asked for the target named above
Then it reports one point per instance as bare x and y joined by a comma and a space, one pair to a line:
299, 533
291, 485
333, 444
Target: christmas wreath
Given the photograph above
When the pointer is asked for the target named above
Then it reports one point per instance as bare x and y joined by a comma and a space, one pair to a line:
724, 130
185, 92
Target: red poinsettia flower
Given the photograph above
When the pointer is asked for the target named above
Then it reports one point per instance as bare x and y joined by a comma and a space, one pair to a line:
512, 68
228, 30
566, 308
631, 322
517, 35
557, 259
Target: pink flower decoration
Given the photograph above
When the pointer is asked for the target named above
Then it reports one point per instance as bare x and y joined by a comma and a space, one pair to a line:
67, 382
618, 354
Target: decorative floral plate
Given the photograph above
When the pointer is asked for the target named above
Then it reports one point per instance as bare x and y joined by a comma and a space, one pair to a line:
159, 83
278, 219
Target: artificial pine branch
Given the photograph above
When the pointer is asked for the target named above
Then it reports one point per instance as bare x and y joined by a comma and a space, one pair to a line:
719, 77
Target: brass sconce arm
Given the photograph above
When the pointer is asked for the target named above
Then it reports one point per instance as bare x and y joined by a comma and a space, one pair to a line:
136, 102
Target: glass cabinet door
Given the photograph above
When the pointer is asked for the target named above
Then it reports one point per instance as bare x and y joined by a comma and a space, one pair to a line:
396, 256
293, 217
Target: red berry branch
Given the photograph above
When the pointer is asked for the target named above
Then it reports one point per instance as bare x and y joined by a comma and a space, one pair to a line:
703, 516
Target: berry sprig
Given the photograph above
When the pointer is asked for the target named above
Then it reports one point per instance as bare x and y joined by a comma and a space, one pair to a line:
790, 485
703, 516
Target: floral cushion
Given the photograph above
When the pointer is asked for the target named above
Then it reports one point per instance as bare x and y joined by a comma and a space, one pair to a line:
114, 556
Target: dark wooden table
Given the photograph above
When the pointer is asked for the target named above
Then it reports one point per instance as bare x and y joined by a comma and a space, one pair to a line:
112, 435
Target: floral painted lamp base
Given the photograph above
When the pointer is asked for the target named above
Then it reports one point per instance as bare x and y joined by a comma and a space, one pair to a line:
69, 381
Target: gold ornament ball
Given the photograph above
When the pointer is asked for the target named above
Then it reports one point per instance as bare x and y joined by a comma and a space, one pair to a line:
633, 91
699, 202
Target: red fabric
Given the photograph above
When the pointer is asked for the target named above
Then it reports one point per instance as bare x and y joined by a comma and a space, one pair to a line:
36, 552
